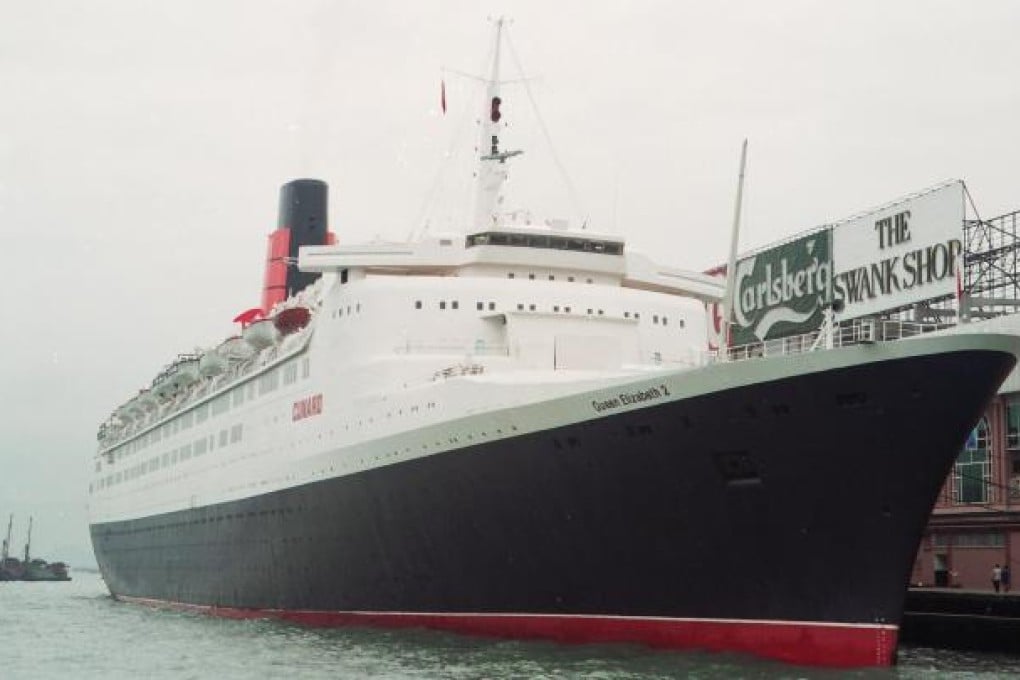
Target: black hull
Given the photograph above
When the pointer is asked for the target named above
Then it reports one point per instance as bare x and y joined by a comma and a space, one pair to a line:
799, 499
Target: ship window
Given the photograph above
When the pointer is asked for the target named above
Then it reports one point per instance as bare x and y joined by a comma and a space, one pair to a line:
455, 304
348, 309
199, 447
417, 304
531, 276
590, 310
442, 304
510, 275
655, 318
556, 308
223, 437
269, 382
492, 306
626, 315
637, 315
479, 306
665, 321
590, 281
290, 373
357, 307
343, 276
520, 307
340, 312
570, 279
235, 433
601, 312
552, 278
220, 405
567, 310
531, 308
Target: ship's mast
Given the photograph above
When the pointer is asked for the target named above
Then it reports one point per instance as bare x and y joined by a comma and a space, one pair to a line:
7, 541
28, 543
492, 167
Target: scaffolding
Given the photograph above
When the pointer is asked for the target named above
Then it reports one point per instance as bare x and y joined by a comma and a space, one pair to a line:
991, 257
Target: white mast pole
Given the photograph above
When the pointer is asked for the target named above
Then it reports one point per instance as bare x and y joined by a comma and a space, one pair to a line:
492, 168
731, 265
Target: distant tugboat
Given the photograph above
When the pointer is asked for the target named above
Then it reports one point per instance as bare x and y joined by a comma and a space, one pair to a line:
13, 569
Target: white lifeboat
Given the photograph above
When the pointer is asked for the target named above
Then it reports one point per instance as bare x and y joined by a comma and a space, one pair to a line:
147, 399
261, 334
235, 348
212, 363
185, 371
162, 387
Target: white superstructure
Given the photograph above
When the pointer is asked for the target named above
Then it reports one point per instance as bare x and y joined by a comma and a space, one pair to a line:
405, 341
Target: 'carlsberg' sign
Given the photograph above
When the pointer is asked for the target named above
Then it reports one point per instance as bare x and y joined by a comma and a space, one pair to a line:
900, 254
781, 291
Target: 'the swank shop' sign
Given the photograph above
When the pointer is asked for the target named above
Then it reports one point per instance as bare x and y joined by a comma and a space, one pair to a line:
886, 259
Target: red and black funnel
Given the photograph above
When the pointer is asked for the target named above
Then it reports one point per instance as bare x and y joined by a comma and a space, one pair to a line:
303, 222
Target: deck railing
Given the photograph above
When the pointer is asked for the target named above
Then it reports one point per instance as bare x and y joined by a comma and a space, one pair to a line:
857, 332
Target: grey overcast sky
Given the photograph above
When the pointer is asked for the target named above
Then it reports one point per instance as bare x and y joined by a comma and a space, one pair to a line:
142, 145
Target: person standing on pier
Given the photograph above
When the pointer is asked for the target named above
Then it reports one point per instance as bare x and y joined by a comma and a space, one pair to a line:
996, 577
1004, 578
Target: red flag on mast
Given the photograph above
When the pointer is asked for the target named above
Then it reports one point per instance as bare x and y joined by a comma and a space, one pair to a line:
442, 95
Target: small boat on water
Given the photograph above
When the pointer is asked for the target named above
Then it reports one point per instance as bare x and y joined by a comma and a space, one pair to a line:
29, 569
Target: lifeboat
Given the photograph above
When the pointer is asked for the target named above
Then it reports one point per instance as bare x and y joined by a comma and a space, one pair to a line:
234, 348
147, 399
185, 371
125, 413
212, 363
261, 334
162, 386
292, 319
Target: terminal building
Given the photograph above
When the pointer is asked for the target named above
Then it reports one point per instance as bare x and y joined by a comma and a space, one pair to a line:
976, 521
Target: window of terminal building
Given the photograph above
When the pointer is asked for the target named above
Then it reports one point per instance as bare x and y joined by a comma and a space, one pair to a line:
972, 473
1013, 423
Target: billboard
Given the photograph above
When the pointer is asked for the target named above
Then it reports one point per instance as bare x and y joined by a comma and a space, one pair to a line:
900, 254
883, 260
781, 291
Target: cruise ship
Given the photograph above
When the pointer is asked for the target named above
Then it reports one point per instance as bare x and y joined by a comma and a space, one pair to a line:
518, 430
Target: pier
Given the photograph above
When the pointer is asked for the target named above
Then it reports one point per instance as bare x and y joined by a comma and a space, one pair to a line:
962, 619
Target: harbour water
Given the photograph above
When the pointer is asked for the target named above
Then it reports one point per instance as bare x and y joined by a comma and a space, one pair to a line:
75, 630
